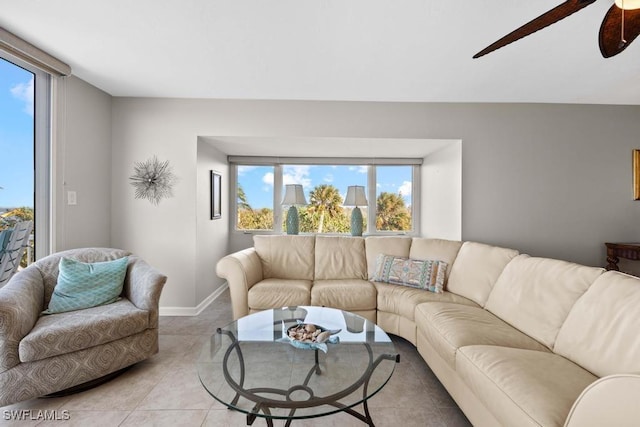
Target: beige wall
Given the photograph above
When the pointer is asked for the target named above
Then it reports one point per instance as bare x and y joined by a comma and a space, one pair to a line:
212, 235
83, 164
549, 180
441, 187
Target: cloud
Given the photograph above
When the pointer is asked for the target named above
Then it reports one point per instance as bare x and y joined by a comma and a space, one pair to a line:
405, 188
290, 175
360, 169
268, 178
296, 175
244, 169
24, 92
328, 178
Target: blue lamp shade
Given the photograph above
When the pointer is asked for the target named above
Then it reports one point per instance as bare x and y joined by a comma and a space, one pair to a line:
356, 197
293, 196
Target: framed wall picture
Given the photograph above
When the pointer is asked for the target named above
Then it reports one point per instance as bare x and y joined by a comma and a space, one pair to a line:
216, 195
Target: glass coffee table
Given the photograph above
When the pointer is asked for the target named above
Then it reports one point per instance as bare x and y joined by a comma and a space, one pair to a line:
252, 366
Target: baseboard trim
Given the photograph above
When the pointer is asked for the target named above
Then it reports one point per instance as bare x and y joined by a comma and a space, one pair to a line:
194, 311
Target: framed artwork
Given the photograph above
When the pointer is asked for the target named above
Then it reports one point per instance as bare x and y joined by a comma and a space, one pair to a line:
636, 174
216, 195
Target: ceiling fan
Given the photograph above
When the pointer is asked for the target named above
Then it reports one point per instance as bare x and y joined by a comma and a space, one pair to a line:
621, 25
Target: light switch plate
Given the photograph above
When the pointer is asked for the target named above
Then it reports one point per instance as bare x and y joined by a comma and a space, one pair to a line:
71, 198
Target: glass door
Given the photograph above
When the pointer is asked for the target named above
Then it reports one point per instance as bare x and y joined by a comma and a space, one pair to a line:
17, 149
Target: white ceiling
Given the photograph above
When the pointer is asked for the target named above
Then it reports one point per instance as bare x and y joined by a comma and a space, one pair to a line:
356, 50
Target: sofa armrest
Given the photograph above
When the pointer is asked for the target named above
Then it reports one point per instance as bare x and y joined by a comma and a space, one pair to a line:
610, 401
21, 302
242, 270
142, 286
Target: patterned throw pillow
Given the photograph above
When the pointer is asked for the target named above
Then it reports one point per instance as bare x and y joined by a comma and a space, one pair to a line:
421, 274
83, 285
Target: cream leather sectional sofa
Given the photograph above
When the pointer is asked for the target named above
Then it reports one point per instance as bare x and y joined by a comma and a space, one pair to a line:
516, 340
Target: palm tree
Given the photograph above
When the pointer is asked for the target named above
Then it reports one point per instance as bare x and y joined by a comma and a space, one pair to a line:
324, 200
243, 203
391, 213
249, 218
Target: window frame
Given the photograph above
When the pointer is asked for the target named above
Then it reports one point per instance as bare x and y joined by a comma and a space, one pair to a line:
42, 154
233, 192
278, 163
415, 202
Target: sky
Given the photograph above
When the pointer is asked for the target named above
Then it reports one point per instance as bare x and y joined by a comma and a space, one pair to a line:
257, 181
16, 136
16, 156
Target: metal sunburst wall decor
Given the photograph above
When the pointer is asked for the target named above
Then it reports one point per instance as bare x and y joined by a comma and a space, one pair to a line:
153, 180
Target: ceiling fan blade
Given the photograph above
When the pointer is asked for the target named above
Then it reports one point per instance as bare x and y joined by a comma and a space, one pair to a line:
612, 41
567, 8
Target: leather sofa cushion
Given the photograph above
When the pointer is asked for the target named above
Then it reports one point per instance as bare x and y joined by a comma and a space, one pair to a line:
435, 249
476, 270
402, 300
339, 257
286, 257
522, 387
602, 331
63, 333
536, 294
347, 294
449, 327
275, 293
386, 245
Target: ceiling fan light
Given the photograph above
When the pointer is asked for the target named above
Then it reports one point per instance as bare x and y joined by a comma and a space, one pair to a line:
628, 4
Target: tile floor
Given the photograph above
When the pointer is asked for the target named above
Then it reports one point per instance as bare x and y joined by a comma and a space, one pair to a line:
165, 390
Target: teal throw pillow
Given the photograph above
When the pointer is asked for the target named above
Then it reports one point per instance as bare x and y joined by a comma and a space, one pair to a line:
83, 285
422, 274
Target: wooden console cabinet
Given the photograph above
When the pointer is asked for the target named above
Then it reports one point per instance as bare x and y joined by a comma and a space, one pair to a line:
615, 251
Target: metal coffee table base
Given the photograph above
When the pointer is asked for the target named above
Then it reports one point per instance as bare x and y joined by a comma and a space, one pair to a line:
264, 405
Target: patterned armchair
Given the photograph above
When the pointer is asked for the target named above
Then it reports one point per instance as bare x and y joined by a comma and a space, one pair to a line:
40, 355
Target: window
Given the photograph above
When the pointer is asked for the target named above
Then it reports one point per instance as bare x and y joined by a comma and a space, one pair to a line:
389, 188
25, 150
254, 197
325, 188
16, 147
394, 190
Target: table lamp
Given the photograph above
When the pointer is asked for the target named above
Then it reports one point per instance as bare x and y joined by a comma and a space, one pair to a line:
356, 197
293, 196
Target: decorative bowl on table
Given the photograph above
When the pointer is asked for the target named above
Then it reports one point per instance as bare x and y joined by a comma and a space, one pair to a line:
311, 337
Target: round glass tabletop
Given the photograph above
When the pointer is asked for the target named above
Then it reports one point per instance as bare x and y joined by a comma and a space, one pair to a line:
251, 365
